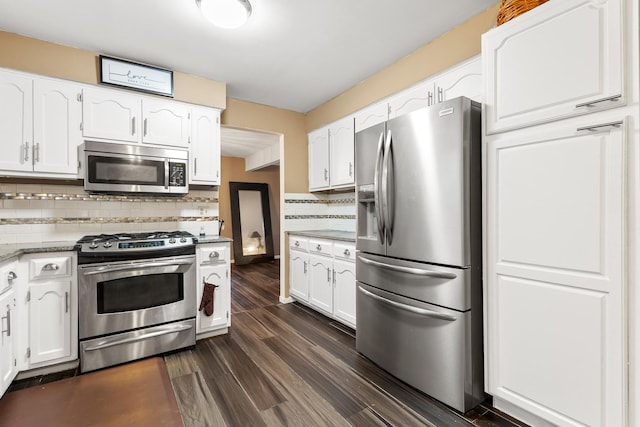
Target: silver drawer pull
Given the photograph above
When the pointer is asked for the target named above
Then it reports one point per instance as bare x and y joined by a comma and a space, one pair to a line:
614, 98
411, 309
601, 127
8, 317
319, 247
214, 254
11, 276
51, 267
297, 244
347, 252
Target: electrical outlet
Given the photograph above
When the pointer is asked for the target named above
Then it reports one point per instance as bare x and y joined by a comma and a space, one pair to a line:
204, 211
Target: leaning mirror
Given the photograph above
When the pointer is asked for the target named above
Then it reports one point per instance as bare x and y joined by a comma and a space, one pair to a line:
251, 222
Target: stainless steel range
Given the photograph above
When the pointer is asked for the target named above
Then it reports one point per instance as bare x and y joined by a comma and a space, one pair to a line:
136, 295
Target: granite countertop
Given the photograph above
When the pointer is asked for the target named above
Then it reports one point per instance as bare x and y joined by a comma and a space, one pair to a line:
10, 251
346, 236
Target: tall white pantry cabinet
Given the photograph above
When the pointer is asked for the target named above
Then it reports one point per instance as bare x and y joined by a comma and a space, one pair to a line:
561, 187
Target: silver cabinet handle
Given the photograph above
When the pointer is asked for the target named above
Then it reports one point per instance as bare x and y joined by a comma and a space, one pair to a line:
66, 302
195, 166
305, 267
326, 174
110, 342
26, 151
11, 277
614, 98
440, 94
319, 247
328, 275
350, 169
411, 309
36, 152
297, 244
601, 127
214, 254
430, 98
144, 127
334, 277
347, 252
8, 317
51, 267
410, 270
133, 126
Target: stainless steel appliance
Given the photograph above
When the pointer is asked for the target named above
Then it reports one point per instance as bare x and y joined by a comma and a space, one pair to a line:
136, 295
122, 168
418, 267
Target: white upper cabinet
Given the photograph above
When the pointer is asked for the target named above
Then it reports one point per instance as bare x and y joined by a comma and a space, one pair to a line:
412, 99
462, 80
57, 116
561, 59
341, 149
319, 159
205, 146
16, 121
121, 117
40, 123
165, 123
371, 116
110, 114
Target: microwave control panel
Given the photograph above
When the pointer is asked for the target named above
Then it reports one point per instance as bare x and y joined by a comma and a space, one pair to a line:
177, 174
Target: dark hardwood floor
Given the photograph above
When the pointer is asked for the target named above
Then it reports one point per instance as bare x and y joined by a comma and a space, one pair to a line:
285, 364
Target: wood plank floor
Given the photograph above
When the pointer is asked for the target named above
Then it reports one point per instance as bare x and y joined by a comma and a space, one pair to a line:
285, 364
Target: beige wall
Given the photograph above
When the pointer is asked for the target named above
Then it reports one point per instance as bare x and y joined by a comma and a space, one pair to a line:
50, 59
233, 170
449, 49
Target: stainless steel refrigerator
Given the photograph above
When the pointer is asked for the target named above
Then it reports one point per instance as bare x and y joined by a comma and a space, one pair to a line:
419, 250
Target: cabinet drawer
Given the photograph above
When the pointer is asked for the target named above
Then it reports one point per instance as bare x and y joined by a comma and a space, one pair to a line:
213, 254
297, 242
50, 267
321, 247
344, 251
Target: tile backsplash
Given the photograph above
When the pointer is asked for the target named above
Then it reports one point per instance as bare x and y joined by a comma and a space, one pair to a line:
47, 213
303, 211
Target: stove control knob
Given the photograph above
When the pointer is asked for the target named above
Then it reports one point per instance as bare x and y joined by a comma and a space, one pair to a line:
172, 240
93, 245
107, 244
183, 240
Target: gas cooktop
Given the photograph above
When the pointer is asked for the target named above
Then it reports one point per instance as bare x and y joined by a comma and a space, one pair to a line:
142, 245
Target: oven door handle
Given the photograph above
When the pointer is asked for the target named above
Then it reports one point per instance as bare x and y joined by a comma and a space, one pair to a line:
110, 342
405, 307
127, 267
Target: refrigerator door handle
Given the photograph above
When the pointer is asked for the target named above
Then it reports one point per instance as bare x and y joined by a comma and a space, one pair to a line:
410, 270
389, 187
377, 187
411, 309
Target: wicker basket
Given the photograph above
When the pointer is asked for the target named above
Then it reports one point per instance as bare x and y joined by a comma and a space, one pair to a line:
509, 9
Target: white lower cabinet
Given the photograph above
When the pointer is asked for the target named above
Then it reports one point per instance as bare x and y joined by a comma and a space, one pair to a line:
214, 267
322, 275
10, 326
49, 309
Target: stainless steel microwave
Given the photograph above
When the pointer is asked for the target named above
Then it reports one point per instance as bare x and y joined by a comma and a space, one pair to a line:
123, 168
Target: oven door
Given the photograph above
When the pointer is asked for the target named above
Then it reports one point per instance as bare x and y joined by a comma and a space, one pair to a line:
116, 297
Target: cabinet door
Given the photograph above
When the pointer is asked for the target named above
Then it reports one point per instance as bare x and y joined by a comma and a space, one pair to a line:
165, 123
205, 146
56, 126
341, 144
298, 278
8, 368
16, 126
555, 229
50, 321
218, 275
110, 114
463, 80
561, 59
414, 98
319, 159
320, 283
345, 291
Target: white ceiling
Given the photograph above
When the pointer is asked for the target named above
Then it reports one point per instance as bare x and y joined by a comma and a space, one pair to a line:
244, 142
292, 54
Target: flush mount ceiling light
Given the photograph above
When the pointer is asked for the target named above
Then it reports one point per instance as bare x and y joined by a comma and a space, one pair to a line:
225, 13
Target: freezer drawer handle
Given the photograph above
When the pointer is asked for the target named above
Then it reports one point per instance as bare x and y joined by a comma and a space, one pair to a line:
118, 341
614, 98
415, 310
416, 271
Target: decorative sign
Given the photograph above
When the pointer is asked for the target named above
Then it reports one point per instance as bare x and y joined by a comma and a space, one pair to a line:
119, 72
